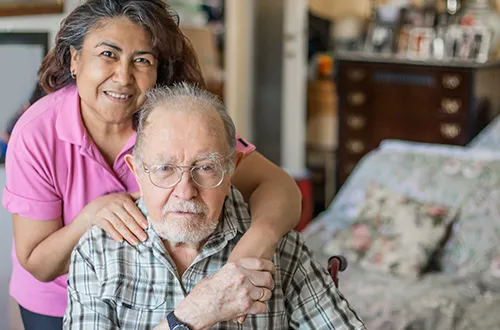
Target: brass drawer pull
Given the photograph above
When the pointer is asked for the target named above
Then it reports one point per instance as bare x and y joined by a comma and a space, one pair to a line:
349, 167
450, 131
451, 81
355, 146
356, 74
356, 99
450, 106
356, 122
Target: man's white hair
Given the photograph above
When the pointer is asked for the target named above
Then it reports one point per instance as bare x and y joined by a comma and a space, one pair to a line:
187, 98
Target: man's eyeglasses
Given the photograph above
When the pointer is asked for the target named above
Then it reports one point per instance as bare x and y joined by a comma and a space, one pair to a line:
207, 175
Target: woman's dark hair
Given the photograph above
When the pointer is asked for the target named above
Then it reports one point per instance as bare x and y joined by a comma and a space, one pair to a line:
177, 59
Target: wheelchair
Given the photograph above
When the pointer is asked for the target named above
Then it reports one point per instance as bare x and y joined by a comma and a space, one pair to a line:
336, 264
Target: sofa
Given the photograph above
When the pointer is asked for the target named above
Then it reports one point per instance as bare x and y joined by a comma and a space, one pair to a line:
459, 287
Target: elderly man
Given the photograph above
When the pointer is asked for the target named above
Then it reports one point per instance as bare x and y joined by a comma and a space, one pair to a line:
180, 278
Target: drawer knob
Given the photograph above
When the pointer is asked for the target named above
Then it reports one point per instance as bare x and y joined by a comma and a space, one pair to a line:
349, 167
355, 146
451, 81
356, 74
450, 131
356, 99
450, 106
356, 122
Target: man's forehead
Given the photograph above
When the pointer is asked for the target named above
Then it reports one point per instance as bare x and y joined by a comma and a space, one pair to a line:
166, 158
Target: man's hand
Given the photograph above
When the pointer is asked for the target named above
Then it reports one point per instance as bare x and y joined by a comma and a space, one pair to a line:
238, 288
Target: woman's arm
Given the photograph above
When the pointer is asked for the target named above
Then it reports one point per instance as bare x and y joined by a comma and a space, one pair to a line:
275, 204
44, 247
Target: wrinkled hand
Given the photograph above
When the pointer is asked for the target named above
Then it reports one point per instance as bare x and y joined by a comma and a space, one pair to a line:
238, 288
162, 326
119, 216
252, 245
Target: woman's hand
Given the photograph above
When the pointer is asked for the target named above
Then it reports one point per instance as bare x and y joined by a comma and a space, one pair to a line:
118, 215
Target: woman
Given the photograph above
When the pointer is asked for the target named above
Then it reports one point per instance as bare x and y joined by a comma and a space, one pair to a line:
65, 161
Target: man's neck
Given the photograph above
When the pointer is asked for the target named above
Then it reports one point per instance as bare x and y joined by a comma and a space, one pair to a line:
183, 254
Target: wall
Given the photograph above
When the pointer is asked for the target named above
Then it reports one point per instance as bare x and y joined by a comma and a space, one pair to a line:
43, 23
19, 64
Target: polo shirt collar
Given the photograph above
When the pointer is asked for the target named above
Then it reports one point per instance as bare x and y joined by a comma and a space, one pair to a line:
69, 124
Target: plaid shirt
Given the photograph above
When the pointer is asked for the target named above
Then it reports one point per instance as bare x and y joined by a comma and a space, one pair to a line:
117, 286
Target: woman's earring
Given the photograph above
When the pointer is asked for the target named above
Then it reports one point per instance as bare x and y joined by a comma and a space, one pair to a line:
73, 74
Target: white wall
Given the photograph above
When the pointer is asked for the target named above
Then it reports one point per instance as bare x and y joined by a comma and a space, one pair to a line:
41, 23
37, 23
293, 109
239, 51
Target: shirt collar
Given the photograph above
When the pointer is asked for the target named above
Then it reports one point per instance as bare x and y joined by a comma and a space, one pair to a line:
69, 124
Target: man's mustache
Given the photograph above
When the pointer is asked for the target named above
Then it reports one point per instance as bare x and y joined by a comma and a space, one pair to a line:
186, 206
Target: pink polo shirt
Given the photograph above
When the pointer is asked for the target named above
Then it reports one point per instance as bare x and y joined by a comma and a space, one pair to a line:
53, 170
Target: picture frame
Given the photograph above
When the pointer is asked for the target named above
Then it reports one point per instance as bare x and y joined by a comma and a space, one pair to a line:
468, 43
420, 43
30, 7
380, 39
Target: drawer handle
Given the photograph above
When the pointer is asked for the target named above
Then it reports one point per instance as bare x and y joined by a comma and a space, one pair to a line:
356, 99
450, 131
355, 146
450, 106
356, 122
356, 74
451, 81
349, 167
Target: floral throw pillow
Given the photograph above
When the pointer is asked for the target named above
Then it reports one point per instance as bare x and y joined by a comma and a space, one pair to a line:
394, 233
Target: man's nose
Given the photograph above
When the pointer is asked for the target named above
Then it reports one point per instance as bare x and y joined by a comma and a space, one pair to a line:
186, 189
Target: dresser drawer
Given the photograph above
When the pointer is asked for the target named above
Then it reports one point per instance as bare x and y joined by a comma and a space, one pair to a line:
345, 167
452, 132
454, 83
453, 108
354, 74
355, 123
355, 99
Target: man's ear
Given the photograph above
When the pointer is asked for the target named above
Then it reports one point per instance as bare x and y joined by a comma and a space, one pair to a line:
238, 157
131, 163
75, 56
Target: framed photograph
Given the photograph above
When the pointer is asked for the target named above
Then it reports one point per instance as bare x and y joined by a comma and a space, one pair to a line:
468, 43
380, 39
30, 7
420, 43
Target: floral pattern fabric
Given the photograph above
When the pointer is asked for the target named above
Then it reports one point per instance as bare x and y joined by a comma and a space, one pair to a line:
393, 233
463, 179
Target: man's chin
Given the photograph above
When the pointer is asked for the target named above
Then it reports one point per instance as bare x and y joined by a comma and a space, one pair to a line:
184, 237
184, 230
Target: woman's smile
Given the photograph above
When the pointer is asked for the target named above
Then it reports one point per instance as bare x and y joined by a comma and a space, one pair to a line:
118, 97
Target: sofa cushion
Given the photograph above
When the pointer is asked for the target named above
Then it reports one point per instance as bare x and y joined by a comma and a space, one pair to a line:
394, 233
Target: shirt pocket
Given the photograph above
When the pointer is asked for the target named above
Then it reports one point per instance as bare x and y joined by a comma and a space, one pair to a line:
138, 304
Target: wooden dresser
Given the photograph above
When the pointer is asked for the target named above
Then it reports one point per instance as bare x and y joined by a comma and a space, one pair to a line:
429, 102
